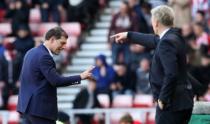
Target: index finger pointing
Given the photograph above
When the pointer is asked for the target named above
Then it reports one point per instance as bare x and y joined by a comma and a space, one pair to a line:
113, 36
90, 68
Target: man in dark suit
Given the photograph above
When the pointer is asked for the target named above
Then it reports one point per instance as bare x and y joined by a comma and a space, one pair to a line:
38, 96
168, 74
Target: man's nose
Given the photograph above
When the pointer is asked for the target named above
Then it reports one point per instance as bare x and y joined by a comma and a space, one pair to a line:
64, 47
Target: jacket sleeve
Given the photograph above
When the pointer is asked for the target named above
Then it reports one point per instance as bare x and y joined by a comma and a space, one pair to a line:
47, 67
147, 40
196, 85
168, 60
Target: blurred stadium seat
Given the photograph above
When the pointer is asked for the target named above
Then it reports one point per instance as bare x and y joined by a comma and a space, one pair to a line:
104, 100
9, 39
72, 44
137, 117
141, 100
2, 14
12, 102
72, 29
35, 15
14, 118
123, 101
34, 27
5, 29
115, 117
1, 119
44, 27
150, 118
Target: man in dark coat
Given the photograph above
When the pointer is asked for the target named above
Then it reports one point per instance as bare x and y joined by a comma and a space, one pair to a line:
168, 73
37, 99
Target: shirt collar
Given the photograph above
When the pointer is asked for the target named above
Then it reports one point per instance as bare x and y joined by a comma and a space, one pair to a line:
164, 32
48, 50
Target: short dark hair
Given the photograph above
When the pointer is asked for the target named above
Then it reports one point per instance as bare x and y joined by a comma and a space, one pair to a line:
201, 12
56, 32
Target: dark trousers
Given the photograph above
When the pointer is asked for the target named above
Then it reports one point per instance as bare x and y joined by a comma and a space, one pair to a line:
30, 119
172, 117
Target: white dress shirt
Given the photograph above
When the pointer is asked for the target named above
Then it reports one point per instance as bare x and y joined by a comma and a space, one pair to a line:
49, 51
164, 32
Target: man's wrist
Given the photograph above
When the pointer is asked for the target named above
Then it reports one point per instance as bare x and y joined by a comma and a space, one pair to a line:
81, 77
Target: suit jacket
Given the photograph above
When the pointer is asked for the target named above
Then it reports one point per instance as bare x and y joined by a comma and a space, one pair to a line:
168, 73
39, 79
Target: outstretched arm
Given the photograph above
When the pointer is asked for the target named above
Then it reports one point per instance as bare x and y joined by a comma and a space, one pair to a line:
49, 71
147, 40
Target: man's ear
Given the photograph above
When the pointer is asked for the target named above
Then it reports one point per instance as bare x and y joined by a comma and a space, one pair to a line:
156, 23
52, 39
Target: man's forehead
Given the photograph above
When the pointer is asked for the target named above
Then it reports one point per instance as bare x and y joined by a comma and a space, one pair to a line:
62, 39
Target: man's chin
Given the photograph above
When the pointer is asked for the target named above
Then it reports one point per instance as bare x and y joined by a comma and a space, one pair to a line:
56, 53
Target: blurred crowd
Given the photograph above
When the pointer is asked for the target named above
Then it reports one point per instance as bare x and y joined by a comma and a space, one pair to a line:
18, 12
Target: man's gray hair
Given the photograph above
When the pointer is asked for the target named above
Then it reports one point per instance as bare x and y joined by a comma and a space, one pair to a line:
164, 14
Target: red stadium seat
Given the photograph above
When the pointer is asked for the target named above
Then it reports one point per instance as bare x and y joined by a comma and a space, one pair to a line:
150, 118
141, 100
5, 29
2, 14
14, 118
136, 122
35, 15
9, 39
44, 27
104, 100
12, 102
38, 40
137, 117
73, 29
122, 101
1, 119
115, 117
34, 27
72, 44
